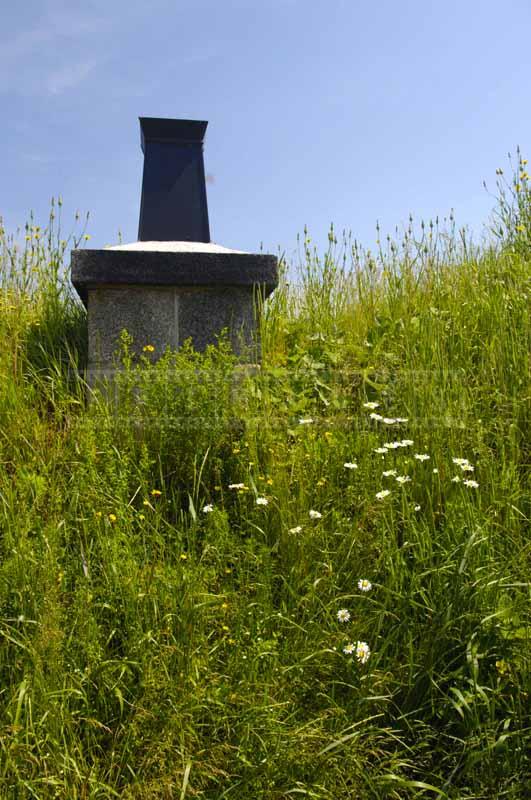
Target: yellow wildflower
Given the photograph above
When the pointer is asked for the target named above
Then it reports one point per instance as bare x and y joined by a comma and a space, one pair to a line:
148, 348
112, 517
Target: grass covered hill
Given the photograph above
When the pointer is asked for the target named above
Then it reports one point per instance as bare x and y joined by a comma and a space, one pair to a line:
310, 580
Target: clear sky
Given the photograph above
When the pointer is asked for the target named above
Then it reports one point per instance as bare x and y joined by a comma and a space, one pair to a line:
319, 111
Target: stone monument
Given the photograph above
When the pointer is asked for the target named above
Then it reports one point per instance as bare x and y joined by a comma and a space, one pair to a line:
173, 283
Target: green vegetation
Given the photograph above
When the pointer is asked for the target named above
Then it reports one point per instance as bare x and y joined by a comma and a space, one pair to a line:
163, 635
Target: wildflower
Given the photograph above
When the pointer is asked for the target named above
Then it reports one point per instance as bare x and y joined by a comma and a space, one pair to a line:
362, 652
343, 615
225, 628
350, 465
391, 445
503, 667
375, 416
184, 557
148, 348
364, 585
269, 481
460, 461
156, 493
296, 529
422, 457
406, 442
236, 450
389, 420
382, 494
389, 473
146, 503
262, 501
417, 508
402, 419
112, 517
305, 421
315, 514
372, 405
456, 479
520, 228
237, 486
403, 479
471, 484
435, 471
349, 649
208, 508
141, 516
381, 450
98, 513
467, 467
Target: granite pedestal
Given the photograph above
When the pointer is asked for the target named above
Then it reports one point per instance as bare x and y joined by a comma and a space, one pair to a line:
163, 293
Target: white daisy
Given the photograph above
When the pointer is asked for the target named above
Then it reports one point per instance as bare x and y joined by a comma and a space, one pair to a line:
350, 465
296, 529
349, 649
403, 479
456, 479
389, 473
417, 508
422, 456
471, 484
406, 442
377, 417
343, 615
362, 652
262, 501
372, 405
364, 585
381, 450
382, 494
208, 508
389, 420
315, 514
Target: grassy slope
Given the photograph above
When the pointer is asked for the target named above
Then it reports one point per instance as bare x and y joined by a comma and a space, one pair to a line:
151, 650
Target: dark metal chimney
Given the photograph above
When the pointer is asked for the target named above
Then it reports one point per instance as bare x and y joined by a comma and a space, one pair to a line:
174, 204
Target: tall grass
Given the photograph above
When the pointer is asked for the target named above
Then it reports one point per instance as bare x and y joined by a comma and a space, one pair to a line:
164, 635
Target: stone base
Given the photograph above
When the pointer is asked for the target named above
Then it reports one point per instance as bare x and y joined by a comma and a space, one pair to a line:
165, 317
163, 293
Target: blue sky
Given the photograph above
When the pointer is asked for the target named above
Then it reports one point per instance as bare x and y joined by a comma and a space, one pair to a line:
319, 110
